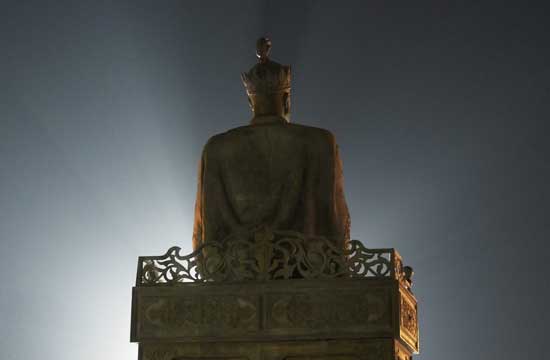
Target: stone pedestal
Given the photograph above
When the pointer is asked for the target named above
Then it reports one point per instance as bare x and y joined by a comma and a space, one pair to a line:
362, 312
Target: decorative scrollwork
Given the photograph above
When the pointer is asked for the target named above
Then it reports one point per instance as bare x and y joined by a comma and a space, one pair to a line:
408, 317
265, 254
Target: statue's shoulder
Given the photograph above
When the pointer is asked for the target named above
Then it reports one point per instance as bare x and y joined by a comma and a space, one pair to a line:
313, 136
234, 135
224, 141
320, 133
226, 137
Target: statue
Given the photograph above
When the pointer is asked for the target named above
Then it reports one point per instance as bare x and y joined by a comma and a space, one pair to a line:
270, 173
273, 275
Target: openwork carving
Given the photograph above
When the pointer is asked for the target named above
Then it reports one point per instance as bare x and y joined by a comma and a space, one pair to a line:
269, 255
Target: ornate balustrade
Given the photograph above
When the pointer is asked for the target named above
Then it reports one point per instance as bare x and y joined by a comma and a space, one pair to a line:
271, 255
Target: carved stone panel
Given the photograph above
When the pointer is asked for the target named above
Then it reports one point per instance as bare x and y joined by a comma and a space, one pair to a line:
176, 316
292, 310
329, 310
408, 320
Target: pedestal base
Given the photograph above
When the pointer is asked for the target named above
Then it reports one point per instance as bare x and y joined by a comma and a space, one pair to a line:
366, 349
336, 319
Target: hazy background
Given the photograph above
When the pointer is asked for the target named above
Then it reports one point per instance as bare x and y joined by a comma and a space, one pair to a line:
441, 111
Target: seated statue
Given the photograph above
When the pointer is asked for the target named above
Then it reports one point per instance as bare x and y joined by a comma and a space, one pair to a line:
270, 173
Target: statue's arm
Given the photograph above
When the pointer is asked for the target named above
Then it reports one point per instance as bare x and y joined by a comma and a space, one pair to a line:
199, 213
341, 207
214, 217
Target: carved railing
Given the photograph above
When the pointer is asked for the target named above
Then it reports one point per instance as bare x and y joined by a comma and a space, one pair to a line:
264, 254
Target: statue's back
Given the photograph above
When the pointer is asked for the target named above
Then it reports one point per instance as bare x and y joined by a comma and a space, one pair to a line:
271, 173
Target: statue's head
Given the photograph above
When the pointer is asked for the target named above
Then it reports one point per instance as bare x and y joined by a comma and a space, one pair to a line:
268, 84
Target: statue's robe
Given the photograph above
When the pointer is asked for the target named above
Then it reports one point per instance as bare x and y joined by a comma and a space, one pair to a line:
271, 173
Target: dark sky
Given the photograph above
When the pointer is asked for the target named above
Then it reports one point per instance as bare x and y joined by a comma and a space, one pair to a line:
440, 109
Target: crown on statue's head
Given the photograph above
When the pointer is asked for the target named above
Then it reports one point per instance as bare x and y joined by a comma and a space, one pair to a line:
266, 77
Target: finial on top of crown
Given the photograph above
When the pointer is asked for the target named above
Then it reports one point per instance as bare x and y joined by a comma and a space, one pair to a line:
266, 77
